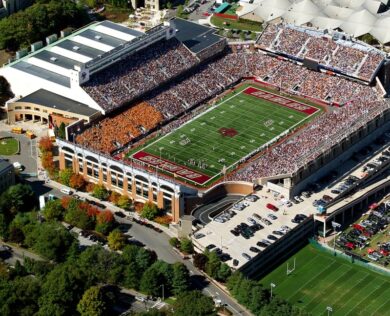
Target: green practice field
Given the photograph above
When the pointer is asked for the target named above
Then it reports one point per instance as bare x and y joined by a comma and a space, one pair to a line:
8, 146
322, 280
240, 124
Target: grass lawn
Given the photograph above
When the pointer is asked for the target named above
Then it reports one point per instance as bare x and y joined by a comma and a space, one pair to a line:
322, 280
237, 25
115, 14
237, 126
8, 146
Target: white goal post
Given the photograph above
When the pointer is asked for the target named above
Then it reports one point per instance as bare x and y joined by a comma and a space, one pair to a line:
289, 271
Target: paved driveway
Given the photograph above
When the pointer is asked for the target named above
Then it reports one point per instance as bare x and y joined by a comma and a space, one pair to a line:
27, 155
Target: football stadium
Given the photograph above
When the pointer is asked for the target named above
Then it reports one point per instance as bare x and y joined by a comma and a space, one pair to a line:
181, 117
245, 121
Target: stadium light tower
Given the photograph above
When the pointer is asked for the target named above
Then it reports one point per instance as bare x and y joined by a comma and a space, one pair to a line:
272, 286
329, 309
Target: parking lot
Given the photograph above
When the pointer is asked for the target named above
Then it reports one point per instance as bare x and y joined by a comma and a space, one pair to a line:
250, 225
369, 237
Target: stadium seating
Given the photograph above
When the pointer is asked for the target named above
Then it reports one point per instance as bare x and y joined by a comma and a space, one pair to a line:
139, 73
350, 58
113, 133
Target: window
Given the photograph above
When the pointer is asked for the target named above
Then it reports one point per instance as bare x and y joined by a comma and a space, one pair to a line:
36, 109
18, 107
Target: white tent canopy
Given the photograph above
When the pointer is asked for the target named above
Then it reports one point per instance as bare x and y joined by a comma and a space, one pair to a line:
355, 17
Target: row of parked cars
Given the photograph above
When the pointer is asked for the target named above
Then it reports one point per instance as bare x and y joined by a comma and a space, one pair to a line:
225, 216
360, 234
345, 185
264, 243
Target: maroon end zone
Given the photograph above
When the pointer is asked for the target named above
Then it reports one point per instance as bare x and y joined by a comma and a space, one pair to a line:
289, 103
169, 166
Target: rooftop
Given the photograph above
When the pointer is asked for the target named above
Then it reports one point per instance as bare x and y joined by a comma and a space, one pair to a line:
194, 36
52, 100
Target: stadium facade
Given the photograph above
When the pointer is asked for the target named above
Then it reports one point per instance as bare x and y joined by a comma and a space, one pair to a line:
109, 72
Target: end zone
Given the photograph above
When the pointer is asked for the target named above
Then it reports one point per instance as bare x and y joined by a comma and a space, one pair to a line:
169, 166
280, 100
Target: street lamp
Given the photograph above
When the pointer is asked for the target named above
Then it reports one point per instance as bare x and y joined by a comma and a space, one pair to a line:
162, 285
272, 286
329, 309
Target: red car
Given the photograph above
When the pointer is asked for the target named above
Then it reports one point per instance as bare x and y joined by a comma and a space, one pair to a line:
272, 207
350, 245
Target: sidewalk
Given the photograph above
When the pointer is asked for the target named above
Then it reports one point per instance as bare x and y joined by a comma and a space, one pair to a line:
111, 207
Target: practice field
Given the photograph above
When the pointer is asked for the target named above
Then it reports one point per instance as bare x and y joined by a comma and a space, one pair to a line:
322, 280
245, 121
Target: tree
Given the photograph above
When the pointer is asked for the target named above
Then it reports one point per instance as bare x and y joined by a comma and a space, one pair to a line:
114, 197
186, 246
77, 181
124, 202
116, 240
18, 198
5, 88
200, 261
78, 217
149, 211
19, 296
53, 210
174, 242
92, 303
181, 277
48, 163
51, 240
104, 222
223, 272
151, 282
100, 192
61, 131
62, 290
194, 303
213, 264
45, 144
65, 176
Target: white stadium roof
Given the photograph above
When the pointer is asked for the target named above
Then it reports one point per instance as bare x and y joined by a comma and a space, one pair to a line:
355, 17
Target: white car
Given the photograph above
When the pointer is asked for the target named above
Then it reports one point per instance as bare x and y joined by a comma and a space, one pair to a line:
140, 298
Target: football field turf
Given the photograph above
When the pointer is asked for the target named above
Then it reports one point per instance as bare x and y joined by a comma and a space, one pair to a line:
321, 279
244, 121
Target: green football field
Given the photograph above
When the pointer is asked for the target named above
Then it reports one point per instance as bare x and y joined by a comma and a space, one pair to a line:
322, 280
220, 137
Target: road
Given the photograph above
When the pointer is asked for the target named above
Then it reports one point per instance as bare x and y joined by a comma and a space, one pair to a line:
159, 242
19, 254
203, 213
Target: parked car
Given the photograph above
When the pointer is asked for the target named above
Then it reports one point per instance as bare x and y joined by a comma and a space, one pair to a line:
199, 235
272, 207
254, 249
272, 216
272, 237
246, 256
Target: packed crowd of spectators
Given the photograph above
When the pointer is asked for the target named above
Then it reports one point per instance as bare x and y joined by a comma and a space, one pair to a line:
114, 132
348, 57
323, 133
139, 73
